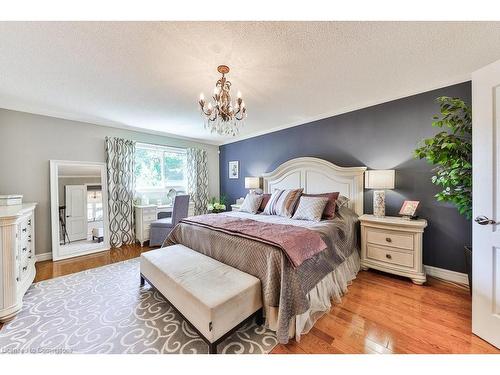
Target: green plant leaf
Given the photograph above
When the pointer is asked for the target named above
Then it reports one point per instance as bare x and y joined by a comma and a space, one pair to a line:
450, 151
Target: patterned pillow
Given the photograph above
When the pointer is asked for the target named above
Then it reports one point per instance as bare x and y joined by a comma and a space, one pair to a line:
342, 202
265, 199
287, 202
251, 203
310, 208
331, 206
270, 208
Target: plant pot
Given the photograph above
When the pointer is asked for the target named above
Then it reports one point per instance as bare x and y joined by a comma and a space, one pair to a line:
468, 265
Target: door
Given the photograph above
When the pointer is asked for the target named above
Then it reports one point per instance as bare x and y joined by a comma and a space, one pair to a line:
486, 203
76, 212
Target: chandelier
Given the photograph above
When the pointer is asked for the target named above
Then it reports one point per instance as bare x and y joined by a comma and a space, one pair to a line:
222, 116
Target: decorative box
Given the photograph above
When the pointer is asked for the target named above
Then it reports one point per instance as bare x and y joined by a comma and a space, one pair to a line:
10, 200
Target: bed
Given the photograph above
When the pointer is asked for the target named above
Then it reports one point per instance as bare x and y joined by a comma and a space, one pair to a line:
294, 296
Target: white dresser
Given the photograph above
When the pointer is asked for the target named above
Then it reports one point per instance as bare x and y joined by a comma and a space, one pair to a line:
17, 251
146, 214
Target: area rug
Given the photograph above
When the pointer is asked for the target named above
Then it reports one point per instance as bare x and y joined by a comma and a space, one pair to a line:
104, 310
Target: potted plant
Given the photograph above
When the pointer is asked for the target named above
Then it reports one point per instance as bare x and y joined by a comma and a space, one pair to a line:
451, 152
216, 206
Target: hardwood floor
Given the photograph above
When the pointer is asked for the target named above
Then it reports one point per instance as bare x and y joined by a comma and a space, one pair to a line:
48, 269
387, 314
379, 314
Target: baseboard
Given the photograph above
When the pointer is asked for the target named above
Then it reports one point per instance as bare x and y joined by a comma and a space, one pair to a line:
441, 273
43, 256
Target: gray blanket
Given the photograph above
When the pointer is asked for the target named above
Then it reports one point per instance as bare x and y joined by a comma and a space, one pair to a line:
283, 286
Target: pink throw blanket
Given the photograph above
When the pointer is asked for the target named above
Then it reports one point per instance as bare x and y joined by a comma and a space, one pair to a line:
299, 244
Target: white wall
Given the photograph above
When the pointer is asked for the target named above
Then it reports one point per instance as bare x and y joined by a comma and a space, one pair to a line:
28, 142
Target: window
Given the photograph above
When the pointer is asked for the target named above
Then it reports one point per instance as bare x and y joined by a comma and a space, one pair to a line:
160, 168
94, 204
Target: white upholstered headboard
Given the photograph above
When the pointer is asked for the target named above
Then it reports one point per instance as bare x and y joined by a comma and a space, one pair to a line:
318, 176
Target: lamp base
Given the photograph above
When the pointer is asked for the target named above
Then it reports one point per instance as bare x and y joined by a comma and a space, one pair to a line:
379, 203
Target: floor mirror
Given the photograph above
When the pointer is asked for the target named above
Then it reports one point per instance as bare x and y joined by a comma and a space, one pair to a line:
79, 210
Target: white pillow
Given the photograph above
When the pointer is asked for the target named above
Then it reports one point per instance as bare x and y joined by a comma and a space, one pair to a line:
251, 203
310, 208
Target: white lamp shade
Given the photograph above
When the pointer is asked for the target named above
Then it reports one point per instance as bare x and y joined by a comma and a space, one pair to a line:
380, 179
252, 182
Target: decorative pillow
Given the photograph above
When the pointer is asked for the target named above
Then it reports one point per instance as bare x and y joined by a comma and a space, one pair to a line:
270, 208
265, 199
310, 208
329, 212
251, 203
287, 202
342, 202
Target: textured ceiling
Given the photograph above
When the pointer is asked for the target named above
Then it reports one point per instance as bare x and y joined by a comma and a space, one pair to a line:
149, 75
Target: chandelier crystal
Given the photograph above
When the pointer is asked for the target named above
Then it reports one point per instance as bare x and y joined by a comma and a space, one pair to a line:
221, 115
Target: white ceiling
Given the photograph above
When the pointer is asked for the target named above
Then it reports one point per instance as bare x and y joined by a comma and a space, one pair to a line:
148, 75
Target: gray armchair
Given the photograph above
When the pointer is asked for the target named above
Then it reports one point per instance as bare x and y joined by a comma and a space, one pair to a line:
161, 228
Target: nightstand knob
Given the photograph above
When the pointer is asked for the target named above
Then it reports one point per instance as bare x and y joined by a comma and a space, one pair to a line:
388, 256
388, 239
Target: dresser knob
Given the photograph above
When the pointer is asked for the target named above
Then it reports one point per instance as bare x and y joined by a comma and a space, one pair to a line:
25, 248
24, 229
25, 268
388, 239
388, 256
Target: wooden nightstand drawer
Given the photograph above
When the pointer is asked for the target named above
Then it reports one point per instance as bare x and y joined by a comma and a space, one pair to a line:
390, 238
386, 255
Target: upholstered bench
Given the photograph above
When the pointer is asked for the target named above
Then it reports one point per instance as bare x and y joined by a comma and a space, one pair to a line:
214, 298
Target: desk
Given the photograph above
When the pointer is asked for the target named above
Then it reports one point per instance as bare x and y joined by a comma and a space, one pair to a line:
146, 214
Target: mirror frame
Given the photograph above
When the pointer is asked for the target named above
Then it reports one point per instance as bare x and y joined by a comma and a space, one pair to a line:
54, 207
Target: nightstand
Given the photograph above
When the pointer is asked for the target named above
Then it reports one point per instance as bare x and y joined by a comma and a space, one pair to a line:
235, 207
394, 245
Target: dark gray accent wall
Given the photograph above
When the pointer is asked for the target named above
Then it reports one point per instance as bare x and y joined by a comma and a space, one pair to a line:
379, 137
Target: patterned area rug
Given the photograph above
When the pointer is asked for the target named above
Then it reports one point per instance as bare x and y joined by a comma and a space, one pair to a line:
104, 310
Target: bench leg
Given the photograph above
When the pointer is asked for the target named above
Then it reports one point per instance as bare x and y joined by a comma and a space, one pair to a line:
142, 281
212, 348
259, 317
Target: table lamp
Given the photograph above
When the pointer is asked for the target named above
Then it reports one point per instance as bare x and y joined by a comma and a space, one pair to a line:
252, 183
381, 180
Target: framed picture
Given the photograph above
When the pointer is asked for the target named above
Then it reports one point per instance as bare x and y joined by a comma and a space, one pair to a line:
234, 169
409, 208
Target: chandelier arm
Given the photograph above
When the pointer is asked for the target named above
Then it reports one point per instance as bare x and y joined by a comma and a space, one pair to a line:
206, 113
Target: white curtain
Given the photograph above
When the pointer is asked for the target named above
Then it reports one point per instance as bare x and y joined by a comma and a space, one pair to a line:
120, 162
198, 179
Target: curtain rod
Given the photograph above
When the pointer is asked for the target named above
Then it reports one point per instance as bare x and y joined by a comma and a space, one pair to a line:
159, 145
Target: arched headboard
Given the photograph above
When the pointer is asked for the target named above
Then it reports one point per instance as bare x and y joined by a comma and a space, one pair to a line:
318, 176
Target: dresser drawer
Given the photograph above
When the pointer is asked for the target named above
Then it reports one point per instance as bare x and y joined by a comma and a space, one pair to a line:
388, 255
390, 238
